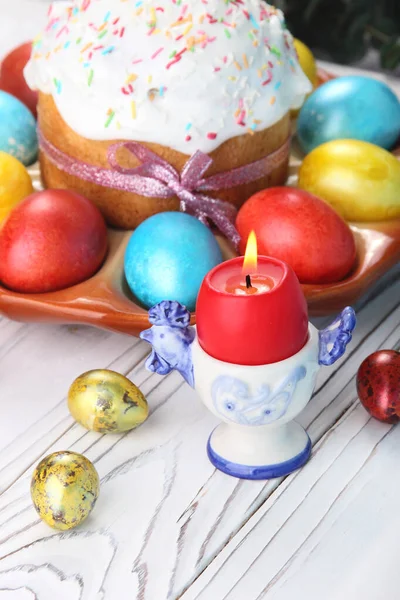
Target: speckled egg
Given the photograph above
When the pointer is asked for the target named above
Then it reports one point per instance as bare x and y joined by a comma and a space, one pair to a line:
351, 107
17, 129
168, 256
378, 385
105, 401
64, 489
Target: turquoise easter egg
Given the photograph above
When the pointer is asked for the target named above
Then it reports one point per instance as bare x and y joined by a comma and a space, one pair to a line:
168, 256
17, 129
351, 107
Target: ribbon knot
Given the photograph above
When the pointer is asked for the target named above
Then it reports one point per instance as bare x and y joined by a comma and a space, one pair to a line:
156, 178
176, 187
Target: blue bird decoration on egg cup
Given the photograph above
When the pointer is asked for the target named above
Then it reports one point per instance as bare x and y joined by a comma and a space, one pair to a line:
258, 438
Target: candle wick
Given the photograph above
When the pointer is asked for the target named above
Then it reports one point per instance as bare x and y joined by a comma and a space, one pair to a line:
248, 281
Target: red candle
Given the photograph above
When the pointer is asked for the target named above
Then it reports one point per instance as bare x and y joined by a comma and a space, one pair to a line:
251, 310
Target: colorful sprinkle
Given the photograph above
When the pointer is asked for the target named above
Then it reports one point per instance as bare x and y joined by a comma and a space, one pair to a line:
276, 52
108, 50
111, 115
127, 90
131, 77
86, 47
269, 78
157, 52
152, 94
253, 21
62, 30
184, 32
58, 85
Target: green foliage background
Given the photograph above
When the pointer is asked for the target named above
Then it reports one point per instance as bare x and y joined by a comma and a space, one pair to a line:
343, 30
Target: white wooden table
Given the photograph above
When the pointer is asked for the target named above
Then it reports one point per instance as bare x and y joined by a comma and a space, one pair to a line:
167, 524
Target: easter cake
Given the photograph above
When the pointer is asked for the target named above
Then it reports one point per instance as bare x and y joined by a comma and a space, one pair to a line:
219, 77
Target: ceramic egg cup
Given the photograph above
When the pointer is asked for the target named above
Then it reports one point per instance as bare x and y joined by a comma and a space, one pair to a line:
258, 438
105, 300
257, 404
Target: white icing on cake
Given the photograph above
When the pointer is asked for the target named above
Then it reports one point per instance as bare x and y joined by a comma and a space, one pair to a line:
188, 75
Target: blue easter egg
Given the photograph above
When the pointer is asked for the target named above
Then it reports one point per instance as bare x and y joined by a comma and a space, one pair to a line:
168, 256
352, 107
17, 130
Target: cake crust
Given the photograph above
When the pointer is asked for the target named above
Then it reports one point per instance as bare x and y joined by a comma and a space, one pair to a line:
127, 210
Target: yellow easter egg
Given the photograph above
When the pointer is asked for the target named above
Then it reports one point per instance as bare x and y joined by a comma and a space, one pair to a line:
306, 60
359, 180
15, 183
106, 401
64, 489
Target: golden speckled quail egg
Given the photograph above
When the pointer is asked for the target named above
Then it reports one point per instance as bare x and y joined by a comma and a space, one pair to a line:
107, 402
64, 489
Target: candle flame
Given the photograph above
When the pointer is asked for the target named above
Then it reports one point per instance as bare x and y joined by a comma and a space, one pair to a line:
250, 256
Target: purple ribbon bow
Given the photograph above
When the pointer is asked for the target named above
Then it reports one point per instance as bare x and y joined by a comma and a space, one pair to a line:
156, 178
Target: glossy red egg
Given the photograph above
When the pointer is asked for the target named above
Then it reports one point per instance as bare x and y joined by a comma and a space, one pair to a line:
300, 229
12, 78
50, 241
378, 385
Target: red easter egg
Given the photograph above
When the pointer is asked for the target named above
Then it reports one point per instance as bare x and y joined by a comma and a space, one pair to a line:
12, 78
378, 385
50, 241
300, 229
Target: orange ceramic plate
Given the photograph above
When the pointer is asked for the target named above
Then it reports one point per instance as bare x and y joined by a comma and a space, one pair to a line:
105, 300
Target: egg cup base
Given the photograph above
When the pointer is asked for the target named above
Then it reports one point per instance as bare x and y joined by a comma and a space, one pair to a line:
269, 445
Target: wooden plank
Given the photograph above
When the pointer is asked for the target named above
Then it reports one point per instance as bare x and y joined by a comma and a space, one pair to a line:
164, 513
266, 555
330, 529
37, 365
